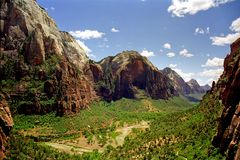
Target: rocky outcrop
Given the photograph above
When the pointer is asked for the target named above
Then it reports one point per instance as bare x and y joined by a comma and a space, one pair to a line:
228, 135
179, 84
6, 124
195, 87
42, 68
128, 72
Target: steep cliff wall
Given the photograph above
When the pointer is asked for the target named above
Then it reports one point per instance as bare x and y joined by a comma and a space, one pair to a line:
42, 68
228, 135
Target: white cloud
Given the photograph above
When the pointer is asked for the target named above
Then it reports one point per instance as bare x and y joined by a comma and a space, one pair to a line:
235, 26
184, 75
215, 62
185, 53
87, 34
172, 65
114, 30
207, 30
171, 54
147, 53
52, 8
84, 47
199, 30
103, 45
180, 8
213, 73
224, 40
229, 38
167, 46
143, 0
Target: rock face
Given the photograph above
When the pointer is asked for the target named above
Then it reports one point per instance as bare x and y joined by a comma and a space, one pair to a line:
6, 124
179, 84
41, 67
195, 87
228, 135
127, 73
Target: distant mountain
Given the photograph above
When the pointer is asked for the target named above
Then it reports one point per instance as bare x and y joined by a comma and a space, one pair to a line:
179, 84
182, 87
195, 87
206, 87
125, 74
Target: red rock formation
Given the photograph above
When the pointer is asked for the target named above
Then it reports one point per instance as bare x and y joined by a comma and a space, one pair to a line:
6, 124
128, 72
228, 136
35, 52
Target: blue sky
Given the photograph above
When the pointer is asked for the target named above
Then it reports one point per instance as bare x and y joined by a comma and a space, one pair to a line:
190, 37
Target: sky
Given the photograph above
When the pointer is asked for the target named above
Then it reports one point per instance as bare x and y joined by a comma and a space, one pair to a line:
190, 36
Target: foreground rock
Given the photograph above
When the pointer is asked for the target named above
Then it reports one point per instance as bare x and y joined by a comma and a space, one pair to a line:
42, 68
6, 124
228, 135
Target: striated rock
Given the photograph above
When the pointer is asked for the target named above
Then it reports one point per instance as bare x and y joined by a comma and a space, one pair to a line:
228, 135
6, 124
75, 91
126, 73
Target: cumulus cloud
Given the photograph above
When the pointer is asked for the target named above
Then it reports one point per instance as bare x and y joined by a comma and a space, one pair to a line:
171, 54
215, 62
213, 73
185, 53
186, 76
229, 38
235, 26
147, 53
167, 46
87, 34
180, 8
172, 65
84, 47
224, 40
114, 30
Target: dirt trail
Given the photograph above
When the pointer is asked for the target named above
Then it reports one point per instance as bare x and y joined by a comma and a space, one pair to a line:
80, 145
125, 131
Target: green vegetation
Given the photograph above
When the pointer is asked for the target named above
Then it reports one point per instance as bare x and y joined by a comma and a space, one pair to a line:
177, 130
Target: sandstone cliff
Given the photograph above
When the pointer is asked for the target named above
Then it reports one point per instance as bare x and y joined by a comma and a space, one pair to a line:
228, 86
127, 74
42, 68
6, 124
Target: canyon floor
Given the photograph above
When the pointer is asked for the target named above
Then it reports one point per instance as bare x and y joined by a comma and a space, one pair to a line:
131, 129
